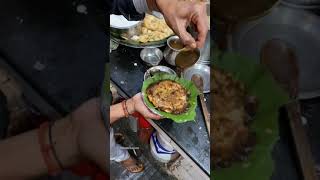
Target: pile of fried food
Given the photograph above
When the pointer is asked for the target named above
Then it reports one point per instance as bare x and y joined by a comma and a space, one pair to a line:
168, 96
232, 137
153, 29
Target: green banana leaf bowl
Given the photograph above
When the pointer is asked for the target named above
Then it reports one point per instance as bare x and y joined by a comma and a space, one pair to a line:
190, 113
259, 83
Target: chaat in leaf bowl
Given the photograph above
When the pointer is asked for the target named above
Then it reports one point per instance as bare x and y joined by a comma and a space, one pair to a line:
171, 97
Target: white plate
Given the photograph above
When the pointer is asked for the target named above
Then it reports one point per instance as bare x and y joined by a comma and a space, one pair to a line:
120, 22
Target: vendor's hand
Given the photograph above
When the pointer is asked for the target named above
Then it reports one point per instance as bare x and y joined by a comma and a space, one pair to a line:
179, 14
136, 104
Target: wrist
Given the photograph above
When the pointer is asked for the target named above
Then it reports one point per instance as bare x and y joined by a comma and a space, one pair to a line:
130, 106
65, 140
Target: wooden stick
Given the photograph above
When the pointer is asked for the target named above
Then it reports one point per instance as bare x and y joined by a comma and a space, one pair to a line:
206, 113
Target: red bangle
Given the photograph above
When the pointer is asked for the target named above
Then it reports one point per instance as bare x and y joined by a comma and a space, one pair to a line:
53, 168
124, 107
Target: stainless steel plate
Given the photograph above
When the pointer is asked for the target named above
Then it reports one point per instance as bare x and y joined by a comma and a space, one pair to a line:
123, 35
150, 72
300, 29
134, 44
203, 71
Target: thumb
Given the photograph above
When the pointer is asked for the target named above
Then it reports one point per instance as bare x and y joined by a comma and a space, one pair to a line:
153, 115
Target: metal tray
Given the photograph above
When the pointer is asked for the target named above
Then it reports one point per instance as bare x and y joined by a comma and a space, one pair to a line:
134, 44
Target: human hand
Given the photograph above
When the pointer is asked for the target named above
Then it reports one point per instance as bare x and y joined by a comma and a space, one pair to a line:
180, 14
91, 134
136, 104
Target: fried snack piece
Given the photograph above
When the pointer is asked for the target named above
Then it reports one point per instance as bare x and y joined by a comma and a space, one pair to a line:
153, 29
232, 138
168, 96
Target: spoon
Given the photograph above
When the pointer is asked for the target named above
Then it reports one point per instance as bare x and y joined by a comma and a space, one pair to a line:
280, 59
198, 81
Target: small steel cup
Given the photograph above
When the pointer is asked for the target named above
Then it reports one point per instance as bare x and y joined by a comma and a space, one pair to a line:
151, 56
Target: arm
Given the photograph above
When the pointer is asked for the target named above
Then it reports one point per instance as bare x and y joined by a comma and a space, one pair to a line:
21, 157
78, 136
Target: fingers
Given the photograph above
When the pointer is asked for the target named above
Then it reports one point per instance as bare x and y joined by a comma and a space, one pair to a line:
202, 27
201, 21
154, 116
186, 38
145, 112
149, 114
144, 109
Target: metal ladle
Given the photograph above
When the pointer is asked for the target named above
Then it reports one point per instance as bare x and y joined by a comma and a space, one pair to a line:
198, 81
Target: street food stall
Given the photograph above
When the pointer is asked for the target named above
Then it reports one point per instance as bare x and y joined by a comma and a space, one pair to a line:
138, 56
275, 132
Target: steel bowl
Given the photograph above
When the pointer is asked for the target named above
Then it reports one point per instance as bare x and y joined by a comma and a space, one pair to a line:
151, 56
156, 69
203, 71
170, 53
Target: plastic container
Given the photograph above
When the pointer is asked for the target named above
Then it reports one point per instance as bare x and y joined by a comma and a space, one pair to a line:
162, 150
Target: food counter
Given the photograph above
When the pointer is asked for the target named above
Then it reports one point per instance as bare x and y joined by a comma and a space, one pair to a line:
127, 71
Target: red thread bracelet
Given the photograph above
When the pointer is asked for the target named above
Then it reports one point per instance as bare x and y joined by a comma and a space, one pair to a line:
52, 167
124, 107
